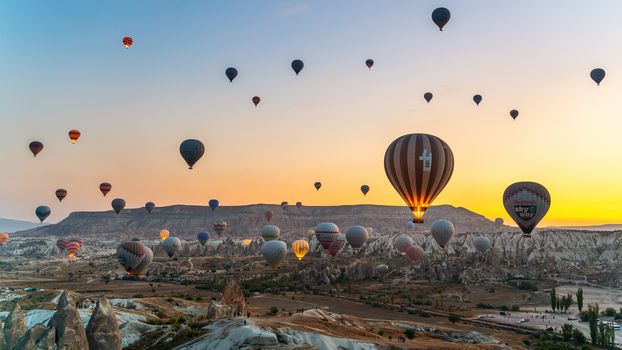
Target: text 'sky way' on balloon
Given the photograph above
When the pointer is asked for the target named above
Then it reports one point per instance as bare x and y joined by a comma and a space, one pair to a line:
4, 237
481, 243
191, 150
597, 74
171, 245
61, 193
164, 234
149, 206
514, 114
213, 204
300, 248
270, 232
364, 189
274, 252
220, 227
127, 42
35, 147
317, 185
442, 232
477, 99
231, 73
256, 100
74, 135
440, 17
526, 203
105, 187
419, 167
297, 66
428, 96
356, 236
369, 63
269, 214
43, 212
202, 237
326, 234
117, 205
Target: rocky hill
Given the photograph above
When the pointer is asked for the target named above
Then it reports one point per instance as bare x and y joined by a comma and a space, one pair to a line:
9, 225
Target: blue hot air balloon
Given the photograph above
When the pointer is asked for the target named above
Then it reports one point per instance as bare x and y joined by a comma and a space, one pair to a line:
213, 203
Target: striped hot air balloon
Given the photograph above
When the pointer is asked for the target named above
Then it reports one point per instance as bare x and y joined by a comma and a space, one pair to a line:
74, 135
418, 166
326, 233
105, 187
220, 227
300, 248
127, 42
269, 214
72, 248
527, 203
144, 264
337, 245
61, 243
130, 255
61, 194
3, 237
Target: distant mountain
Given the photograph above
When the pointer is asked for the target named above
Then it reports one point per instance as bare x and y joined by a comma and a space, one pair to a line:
245, 221
607, 227
9, 225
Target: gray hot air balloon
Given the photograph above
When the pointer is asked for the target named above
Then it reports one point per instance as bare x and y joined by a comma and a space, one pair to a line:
231, 73
499, 221
326, 233
527, 203
442, 232
270, 232
597, 75
43, 212
481, 243
149, 206
274, 252
171, 246
441, 16
514, 114
428, 96
191, 150
415, 253
356, 236
477, 99
118, 204
402, 243
297, 66
410, 225
142, 267
130, 255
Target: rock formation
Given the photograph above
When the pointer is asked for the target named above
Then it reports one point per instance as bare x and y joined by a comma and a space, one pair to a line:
233, 297
70, 333
102, 331
14, 326
31, 338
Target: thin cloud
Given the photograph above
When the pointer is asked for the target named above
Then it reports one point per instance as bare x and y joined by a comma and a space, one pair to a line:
295, 8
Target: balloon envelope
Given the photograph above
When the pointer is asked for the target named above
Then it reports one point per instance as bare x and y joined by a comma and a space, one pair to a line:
270, 232
514, 114
274, 252
527, 203
356, 236
191, 150
402, 243
130, 255
164, 234
213, 204
364, 189
220, 227
442, 232
118, 204
326, 233
127, 42
149, 206
317, 185
144, 264
369, 63
269, 214
256, 100
298, 204
597, 74
74, 135
297, 66
43, 212
477, 99
300, 248
35, 147
428, 96
61, 194
481, 243
415, 253
3, 237
440, 17
499, 221
337, 245
171, 246
105, 187
231, 73
203, 237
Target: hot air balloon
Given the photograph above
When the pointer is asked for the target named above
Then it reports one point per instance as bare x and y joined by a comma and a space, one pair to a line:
220, 227
127, 42
300, 248
477, 99
364, 189
415, 253
369, 63
61, 194
440, 16
274, 252
442, 232
402, 243
72, 248
326, 233
298, 204
144, 264
61, 243
231, 73
527, 203
3, 237
74, 135
297, 66
42, 212
317, 185
35, 147
357, 236
149, 206
284, 205
310, 234
191, 150
105, 187
418, 166
203, 237
337, 245
597, 74
246, 242
481, 243
499, 221
269, 214
130, 255
514, 114
256, 100
270, 232
164, 234
171, 246
428, 96
382, 268
410, 225
213, 204
118, 204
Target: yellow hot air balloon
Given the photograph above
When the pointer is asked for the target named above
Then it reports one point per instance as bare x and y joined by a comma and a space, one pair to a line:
246, 243
164, 234
300, 248
310, 234
3, 237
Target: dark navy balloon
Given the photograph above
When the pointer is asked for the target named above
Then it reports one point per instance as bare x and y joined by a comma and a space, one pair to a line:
149, 206
441, 16
231, 73
428, 96
213, 203
597, 75
35, 147
43, 212
297, 66
369, 63
191, 150
477, 99
203, 237
118, 204
514, 114
364, 189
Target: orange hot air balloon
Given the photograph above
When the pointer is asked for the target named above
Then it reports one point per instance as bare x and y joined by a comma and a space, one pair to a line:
164, 234
300, 248
3, 237
74, 135
105, 187
72, 248
418, 166
127, 42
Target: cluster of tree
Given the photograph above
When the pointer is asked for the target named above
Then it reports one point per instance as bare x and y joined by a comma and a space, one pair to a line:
602, 333
560, 303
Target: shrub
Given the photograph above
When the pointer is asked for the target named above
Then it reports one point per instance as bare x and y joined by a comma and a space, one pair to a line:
410, 333
453, 318
567, 331
526, 285
578, 336
380, 332
611, 312
273, 311
504, 308
515, 308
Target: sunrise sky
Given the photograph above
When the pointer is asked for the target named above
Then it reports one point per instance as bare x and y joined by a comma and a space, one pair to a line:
63, 66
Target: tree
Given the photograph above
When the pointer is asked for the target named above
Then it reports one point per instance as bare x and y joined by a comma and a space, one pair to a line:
453, 318
409, 333
592, 319
567, 301
578, 336
580, 299
553, 297
567, 331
